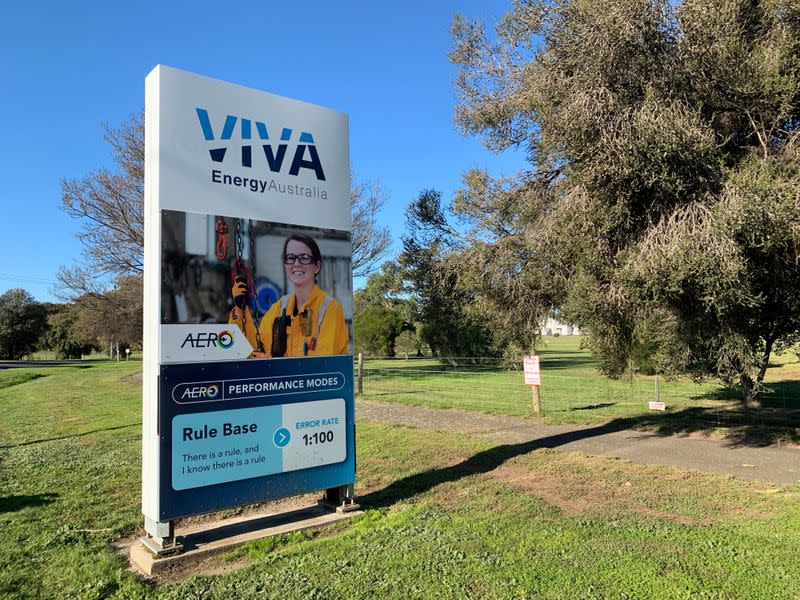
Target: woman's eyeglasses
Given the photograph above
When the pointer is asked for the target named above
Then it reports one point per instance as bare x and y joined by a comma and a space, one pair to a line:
305, 259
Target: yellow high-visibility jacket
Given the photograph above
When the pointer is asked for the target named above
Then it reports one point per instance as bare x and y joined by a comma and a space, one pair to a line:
331, 339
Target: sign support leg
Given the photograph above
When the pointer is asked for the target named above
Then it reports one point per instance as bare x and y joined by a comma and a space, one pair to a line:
342, 498
537, 399
161, 540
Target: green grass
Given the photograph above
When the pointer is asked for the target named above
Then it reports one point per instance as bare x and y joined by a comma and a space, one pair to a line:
446, 516
574, 392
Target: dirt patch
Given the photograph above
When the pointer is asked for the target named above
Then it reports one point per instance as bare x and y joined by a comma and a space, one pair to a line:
134, 378
575, 497
208, 567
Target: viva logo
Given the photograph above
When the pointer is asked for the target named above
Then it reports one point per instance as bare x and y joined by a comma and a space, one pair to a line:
305, 153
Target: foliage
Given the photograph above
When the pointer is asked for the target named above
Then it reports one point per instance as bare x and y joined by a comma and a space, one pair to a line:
661, 208
376, 329
386, 288
113, 316
370, 240
110, 208
409, 343
23, 320
441, 297
62, 336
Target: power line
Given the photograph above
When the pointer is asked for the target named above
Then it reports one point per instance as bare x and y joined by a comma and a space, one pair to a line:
20, 278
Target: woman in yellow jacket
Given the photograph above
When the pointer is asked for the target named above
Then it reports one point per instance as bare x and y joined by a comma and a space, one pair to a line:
308, 322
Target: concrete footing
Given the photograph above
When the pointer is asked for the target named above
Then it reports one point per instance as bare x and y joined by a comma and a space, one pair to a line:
199, 542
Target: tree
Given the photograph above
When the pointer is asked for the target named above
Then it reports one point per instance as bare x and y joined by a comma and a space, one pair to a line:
387, 290
441, 294
661, 205
63, 338
107, 288
110, 208
114, 317
23, 320
370, 240
376, 330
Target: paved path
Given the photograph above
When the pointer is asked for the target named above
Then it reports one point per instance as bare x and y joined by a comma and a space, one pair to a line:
771, 464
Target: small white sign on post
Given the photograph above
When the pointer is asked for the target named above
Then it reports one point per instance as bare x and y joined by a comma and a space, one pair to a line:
533, 377
657, 406
531, 370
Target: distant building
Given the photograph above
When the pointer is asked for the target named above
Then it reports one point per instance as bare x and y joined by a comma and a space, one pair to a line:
552, 326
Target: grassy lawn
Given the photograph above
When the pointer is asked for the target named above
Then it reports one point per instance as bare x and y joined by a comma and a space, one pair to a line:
574, 392
446, 515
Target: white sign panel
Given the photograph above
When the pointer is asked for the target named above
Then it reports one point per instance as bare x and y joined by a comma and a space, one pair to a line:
269, 157
194, 343
315, 432
531, 370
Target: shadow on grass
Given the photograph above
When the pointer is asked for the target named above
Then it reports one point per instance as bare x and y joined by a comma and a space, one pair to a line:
594, 406
15, 503
572, 362
741, 426
66, 437
482, 462
776, 422
19, 378
680, 422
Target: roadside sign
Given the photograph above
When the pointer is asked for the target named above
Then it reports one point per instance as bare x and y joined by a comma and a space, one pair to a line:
247, 396
531, 370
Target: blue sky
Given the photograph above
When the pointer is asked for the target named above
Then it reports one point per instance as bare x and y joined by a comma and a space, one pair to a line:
67, 68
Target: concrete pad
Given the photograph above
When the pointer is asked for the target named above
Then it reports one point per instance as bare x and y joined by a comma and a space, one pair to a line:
205, 540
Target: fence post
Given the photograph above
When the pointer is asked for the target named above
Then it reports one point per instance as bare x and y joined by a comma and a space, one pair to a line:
360, 374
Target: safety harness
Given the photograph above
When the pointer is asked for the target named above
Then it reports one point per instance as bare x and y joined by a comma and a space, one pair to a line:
282, 322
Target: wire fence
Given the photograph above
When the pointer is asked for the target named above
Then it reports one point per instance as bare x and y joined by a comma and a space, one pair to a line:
484, 387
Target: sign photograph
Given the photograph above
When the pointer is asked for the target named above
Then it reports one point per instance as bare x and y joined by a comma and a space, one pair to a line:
248, 296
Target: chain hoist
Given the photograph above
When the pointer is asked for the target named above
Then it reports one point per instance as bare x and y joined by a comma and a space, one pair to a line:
252, 239
242, 276
221, 247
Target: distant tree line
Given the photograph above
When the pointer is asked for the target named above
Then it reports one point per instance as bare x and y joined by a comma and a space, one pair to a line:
69, 331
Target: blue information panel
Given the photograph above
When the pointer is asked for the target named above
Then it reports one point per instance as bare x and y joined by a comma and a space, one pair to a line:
233, 433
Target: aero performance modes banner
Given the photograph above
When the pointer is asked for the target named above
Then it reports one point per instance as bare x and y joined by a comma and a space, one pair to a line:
254, 430
256, 387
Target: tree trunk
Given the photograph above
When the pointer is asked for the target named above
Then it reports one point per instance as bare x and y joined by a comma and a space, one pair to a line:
765, 360
751, 398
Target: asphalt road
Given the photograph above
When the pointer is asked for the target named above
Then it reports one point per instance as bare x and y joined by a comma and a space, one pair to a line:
18, 364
